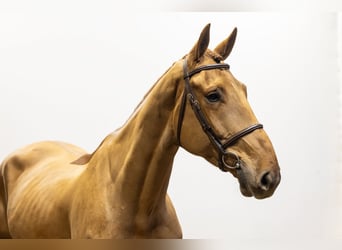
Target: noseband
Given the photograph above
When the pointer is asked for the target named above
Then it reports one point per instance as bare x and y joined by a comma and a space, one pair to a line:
226, 160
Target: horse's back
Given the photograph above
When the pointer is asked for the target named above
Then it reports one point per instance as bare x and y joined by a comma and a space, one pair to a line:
37, 157
37, 180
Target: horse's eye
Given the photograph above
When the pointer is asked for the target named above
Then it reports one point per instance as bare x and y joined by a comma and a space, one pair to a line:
213, 96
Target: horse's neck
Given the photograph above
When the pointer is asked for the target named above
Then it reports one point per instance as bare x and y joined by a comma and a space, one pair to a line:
140, 155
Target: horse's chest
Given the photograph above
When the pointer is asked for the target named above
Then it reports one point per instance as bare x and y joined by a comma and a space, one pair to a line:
121, 222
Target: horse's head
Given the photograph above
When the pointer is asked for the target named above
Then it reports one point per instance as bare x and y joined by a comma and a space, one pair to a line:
216, 121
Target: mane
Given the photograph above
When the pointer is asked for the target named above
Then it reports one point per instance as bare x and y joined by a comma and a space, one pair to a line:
149, 92
84, 159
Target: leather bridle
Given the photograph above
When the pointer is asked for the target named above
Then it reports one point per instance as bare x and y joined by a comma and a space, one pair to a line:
226, 160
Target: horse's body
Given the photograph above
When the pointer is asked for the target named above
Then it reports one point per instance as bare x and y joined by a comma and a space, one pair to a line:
47, 202
56, 190
119, 191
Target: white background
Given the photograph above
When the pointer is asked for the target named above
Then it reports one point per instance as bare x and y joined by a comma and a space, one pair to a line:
76, 72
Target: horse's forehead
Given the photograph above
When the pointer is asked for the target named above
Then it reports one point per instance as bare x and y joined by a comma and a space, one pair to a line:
219, 77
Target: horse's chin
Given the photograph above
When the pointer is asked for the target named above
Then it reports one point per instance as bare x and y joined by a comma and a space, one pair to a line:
245, 191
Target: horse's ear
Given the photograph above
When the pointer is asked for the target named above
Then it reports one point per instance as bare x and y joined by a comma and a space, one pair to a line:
225, 47
201, 46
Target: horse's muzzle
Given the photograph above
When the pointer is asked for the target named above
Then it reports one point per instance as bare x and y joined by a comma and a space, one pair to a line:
261, 187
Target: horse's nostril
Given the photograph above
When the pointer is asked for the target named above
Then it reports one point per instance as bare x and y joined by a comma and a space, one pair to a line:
266, 181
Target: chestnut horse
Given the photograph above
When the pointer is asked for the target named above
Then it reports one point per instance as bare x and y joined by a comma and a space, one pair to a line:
56, 190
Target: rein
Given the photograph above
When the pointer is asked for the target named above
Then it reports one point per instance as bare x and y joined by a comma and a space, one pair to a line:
226, 160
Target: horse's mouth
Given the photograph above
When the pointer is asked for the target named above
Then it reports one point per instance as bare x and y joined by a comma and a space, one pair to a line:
245, 191
249, 189
245, 187
248, 192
